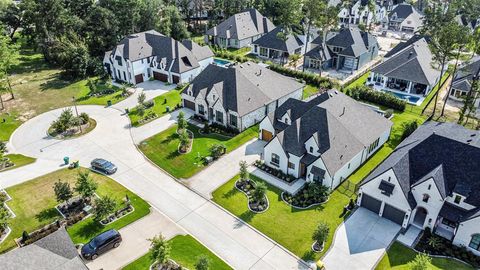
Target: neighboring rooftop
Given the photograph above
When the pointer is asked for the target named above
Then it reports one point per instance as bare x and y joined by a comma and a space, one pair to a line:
55, 251
273, 41
446, 152
243, 88
242, 25
353, 41
411, 63
402, 11
464, 77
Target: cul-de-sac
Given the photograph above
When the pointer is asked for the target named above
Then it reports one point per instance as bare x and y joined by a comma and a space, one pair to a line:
239, 134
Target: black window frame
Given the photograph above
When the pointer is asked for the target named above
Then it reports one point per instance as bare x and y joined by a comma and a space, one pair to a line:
233, 122
218, 115
275, 159
476, 244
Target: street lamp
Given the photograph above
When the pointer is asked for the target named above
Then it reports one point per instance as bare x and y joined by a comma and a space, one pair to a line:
76, 111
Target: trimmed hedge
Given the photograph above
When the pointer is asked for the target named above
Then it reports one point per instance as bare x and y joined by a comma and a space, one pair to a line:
222, 53
309, 78
385, 99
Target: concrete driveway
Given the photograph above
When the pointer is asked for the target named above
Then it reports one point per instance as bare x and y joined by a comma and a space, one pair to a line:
237, 243
360, 241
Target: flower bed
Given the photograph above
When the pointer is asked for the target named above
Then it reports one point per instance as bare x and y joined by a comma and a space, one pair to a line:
5, 163
443, 247
247, 187
74, 131
317, 248
5, 210
73, 207
170, 265
34, 236
219, 130
118, 215
310, 195
275, 172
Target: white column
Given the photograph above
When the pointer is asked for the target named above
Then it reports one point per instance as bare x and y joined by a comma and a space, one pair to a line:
409, 88
385, 79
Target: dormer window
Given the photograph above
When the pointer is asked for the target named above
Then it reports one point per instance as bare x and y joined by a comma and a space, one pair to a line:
429, 186
457, 199
213, 97
426, 197
311, 149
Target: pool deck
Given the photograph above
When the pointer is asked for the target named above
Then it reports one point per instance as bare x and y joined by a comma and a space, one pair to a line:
401, 94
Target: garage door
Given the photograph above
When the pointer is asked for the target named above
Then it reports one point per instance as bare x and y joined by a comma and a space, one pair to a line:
371, 203
393, 214
266, 135
160, 76
189, 104
176, 79
139, 78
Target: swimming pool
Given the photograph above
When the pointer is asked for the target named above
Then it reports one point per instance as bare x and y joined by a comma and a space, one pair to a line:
221, 62
409, 98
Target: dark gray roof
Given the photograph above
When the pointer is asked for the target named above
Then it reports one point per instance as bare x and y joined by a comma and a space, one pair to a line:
272, 41
402, 11
317, 172
243, 88
413, 63
200, 52
151, 43
55, 251
341, 126
242, 25
353, 41
445, 151
464, 77
402, 45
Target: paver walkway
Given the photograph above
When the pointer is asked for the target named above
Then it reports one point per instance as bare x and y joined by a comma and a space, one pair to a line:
234, 241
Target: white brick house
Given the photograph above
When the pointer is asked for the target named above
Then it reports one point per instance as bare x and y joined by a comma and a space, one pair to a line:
324, 139
145, 55
431, 180
239, 96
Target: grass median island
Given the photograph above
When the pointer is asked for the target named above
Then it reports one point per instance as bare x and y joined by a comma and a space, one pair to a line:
398, 256
18, 160
185, 250
34, 202
170, 99
162, 149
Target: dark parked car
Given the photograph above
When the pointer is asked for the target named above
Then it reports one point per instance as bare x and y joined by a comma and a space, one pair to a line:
103, 165
101, 244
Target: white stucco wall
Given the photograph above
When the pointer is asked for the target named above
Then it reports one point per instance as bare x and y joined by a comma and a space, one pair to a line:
320, 164
266, 125
464, 233
462, 204
434, 204
312, 143
397, 199
274, 146
346, 170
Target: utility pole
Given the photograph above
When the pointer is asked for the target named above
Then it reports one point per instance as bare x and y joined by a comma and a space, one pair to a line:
76, 111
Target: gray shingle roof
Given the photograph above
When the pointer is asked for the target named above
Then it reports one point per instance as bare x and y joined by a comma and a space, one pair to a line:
242, 25
464, 77
200, 52
151, 43
354, 41
413, 63
272, 41
341, 126
402, 45
445, 151
402, 11
243, 88
55, 251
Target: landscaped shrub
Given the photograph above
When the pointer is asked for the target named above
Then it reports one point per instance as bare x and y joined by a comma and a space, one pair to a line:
67, 120
311, 193
408, 128
309, 78
275, 172
385, 99
149, 104
85, 118
217, 150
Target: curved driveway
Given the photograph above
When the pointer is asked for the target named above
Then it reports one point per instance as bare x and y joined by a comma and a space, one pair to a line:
238, 244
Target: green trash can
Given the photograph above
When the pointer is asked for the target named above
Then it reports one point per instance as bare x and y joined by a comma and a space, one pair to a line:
66, 160
109, 103
76, 164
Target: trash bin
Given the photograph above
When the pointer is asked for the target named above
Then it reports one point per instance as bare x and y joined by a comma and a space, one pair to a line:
167, 108
109, 103
66, 160
76, 164
127, 111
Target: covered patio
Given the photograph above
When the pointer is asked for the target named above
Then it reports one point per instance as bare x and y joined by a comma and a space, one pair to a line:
396, 84
448, 220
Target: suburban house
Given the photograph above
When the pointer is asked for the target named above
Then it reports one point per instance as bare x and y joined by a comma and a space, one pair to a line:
239, 96
408, 69
142, 56
277, 49
55, 251
360, 14
405, 18
470, 24
462, 82
431, 180
347, 51
239, 30
324, 139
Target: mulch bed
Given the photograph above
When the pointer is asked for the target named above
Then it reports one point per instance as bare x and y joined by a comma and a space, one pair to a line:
247, 187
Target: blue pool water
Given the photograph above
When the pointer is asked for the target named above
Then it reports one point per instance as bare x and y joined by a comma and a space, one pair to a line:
408, 98
221, 62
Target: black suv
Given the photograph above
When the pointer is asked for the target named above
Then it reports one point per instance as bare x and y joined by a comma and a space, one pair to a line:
103, 165
101, 244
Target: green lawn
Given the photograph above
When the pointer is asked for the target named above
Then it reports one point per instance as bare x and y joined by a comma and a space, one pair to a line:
241, 52
309, 90
418, 109
198, 39
170, 99
19, 161
33, 203
185, 251
358, 82
398, 256
6, 128
162, 149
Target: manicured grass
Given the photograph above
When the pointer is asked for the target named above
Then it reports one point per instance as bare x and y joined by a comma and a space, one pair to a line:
309, 90
198, 39
162, 149
6, 128
358, 82
33, 203
241, 52
426, 101
170, 99
185, 250
398, 256
18, 160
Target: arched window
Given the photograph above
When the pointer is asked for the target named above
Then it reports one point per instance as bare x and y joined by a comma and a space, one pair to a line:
475, 242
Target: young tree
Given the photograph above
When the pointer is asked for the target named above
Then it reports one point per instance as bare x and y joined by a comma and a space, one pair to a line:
141, 99
202, 263
421, 262
312, 10
243, 170
184, 140
160, 249
62, 190
85, 185
11, 16
103, 207
8, 58
181, 121
259, 192
320, 234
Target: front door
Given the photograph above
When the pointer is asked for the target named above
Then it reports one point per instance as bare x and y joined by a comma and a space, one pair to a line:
266, 135
210, 114
303, 170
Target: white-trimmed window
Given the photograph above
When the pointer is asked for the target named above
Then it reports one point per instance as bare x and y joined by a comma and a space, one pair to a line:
275, 159
475, 242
